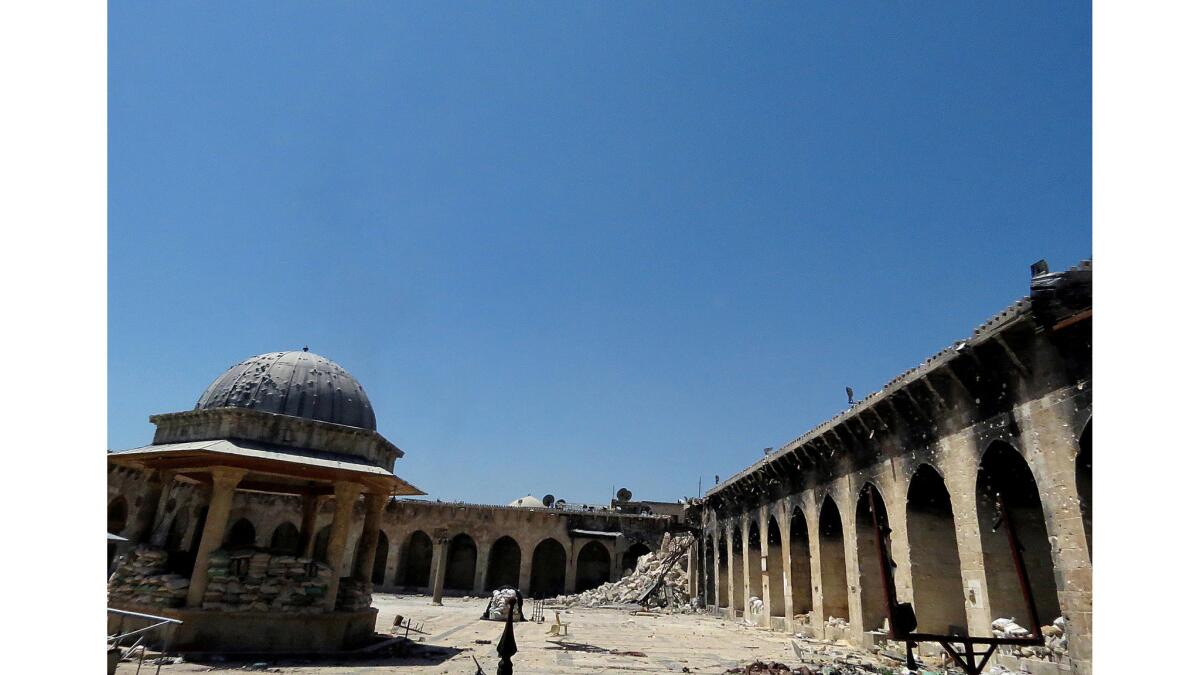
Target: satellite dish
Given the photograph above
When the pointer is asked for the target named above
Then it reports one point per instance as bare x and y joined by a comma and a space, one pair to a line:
624, 494
548, 501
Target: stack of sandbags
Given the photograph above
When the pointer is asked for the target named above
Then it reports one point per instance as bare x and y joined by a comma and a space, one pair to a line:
277, 583
141, 578
353, 594
673, 594
1054, 634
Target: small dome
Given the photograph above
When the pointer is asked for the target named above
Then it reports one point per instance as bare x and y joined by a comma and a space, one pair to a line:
528, 500
300, 384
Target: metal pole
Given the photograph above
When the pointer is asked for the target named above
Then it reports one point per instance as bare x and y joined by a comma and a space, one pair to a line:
1014, 545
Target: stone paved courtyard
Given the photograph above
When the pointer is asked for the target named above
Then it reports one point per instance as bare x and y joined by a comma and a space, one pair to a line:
671, 643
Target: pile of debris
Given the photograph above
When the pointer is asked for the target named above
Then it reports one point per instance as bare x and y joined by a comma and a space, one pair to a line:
660, 580
141, 578
249, 580
1055, 635
772, 668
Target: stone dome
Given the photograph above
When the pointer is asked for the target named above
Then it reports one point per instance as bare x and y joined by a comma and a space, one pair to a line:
300, 384
527, 500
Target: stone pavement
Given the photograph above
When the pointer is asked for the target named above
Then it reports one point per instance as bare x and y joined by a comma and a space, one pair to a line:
595, 643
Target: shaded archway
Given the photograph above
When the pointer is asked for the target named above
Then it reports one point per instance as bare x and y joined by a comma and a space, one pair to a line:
738, 601
417, 560
241, 534
754, 562
321, 545
832, 549
285, 539
775, 567
504, 564
1083, 482
549, 573
936, 569
1003, 472
630, 557
379, 565
118, 515
872, 594
460, 563
593, 567
801, 564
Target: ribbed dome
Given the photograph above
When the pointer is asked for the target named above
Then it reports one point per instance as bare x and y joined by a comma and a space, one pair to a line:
300, 384
527, 500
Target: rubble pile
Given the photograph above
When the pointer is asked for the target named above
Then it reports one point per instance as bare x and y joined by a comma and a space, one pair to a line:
667, 564
1054, 634
141, 578
249, 580
772, 668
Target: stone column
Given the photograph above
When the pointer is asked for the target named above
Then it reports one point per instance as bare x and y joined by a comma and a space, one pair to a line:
525, 577
346, 493
437, 570
960, 463
763, 558
729, 568
1049, 430
714, 569
746, 563
784, 515
368, 541
813, 515
483, 553
614, 562
160, 525
849, 515
570, 579
310, 504
694, 576
220, 502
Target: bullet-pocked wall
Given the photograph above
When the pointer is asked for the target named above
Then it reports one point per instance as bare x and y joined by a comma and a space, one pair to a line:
983, 447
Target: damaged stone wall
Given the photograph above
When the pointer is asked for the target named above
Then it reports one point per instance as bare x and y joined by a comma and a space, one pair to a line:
1008, 409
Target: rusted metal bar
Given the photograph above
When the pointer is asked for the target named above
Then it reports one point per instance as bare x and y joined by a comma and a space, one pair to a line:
1014, 544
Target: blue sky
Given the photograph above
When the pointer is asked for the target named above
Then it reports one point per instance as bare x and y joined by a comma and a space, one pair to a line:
573, 246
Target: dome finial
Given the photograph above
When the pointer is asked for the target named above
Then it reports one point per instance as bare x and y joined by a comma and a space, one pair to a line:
305, 347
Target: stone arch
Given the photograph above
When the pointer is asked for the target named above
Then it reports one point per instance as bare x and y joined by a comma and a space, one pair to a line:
1083, 482
549, 572
241, 534
118, 515
831, 543
461, 554
738, 601
285, 539
775, 566
873, 601
933, 546
630, 557
321, 545
1004, 472
801, 563
593, 568
754, 562
379, 564
418, 560
722, 563
504, 564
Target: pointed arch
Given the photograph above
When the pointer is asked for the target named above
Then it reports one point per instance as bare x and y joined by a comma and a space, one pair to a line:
461, 555
1083, 482
549, 572
1004, 473
285, 539
504, 564
418, 560
933, 547
872, 590
738, 601
379, 565
630, 558
593, 567
241, 534
802, 582
831, 542
774, 549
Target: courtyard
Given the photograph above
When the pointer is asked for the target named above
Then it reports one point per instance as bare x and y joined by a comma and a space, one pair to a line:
597, 640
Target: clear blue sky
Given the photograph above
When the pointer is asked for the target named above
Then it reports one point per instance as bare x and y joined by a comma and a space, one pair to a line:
567, 246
